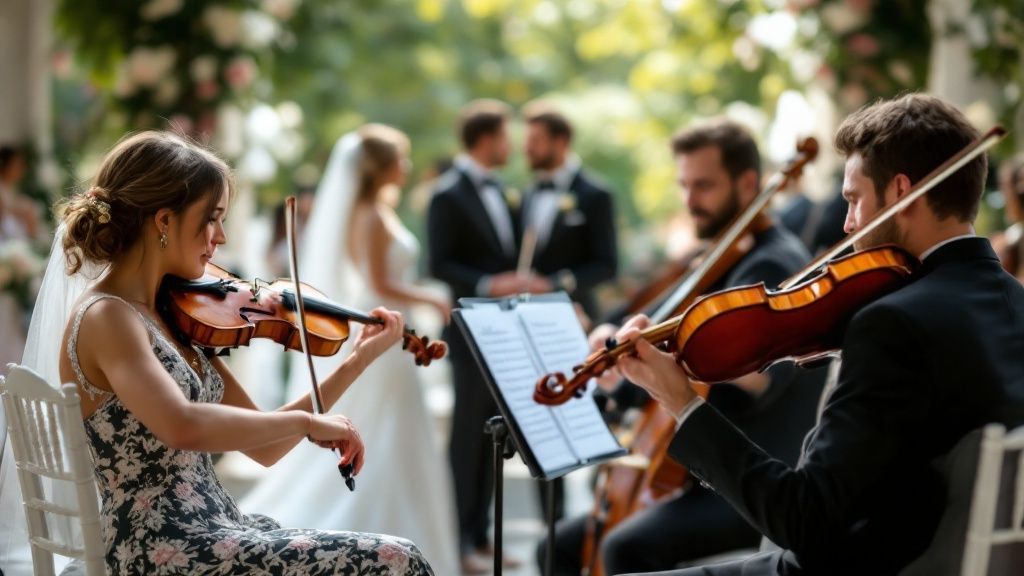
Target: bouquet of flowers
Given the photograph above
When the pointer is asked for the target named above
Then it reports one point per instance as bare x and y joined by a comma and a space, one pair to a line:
21, 270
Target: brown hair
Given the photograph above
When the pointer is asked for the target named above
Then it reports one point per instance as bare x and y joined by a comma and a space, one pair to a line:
381, 148
912, 135
142, 174
555, 122
480, 118
739, 151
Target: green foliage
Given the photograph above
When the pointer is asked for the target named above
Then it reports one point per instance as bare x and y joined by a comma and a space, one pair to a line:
169, 60
627, 73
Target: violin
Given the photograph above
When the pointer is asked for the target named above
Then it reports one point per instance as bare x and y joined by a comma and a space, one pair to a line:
731, 333
630, 484
221, 310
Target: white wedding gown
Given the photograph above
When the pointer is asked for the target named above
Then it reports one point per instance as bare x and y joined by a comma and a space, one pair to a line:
404, 488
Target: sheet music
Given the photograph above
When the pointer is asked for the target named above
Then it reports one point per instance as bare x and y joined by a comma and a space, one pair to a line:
555, 332
514, 369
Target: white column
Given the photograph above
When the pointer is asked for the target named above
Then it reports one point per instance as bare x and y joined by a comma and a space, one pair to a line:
951, 69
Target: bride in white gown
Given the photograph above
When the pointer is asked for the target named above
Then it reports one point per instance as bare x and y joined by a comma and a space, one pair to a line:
356, 250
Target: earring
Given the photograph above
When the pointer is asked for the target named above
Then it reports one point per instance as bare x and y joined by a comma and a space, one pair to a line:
163, 241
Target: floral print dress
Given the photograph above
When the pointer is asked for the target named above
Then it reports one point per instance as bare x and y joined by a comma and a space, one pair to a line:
165, 512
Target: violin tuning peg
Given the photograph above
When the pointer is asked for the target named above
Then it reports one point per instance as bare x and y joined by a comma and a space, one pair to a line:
610, 343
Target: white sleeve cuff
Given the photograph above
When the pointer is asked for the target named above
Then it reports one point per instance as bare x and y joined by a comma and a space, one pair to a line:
697, 402
483, 286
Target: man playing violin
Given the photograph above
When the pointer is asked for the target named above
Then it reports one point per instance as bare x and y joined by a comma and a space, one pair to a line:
922, 367
719, 172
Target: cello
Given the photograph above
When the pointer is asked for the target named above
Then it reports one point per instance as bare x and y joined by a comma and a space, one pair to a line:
636, 481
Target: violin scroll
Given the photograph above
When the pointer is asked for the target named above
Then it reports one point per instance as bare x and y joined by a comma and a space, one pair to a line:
555, 388
423, 350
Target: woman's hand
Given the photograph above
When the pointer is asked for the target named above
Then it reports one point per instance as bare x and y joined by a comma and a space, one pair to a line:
374, 339
337, 431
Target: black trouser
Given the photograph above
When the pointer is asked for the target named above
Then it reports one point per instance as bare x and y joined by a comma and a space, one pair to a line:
695, 525
470, 449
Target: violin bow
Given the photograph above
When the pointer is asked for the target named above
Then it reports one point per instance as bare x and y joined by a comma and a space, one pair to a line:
300, 309
933, 179
807, 150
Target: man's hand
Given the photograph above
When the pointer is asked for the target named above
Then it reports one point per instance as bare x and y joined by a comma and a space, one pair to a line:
505, 284
654, 370
537, 284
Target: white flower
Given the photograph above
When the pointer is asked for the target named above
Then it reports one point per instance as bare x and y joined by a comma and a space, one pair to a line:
148, 65
124, 86
18, 261
901, 71
167, 92
841, 18
224, 24
240, 71
157, 9
258, 29
226, 549
280, 9
203, 68
169, 555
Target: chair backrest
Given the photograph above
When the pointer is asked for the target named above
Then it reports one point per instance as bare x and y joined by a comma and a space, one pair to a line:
48, 440
956, 470
995, 535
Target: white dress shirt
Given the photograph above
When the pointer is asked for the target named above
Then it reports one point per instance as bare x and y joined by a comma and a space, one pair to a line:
492, 200
544, 205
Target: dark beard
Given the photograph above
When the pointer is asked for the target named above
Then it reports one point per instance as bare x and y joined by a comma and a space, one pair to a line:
719, 221
887, 232
543, 163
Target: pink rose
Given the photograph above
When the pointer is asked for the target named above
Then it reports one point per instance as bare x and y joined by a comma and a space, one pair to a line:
240, 72
862, 45
169, 554
394, 556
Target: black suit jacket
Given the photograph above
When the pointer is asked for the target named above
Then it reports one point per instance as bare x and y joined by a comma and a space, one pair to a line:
922, 367
582, 241
463, 245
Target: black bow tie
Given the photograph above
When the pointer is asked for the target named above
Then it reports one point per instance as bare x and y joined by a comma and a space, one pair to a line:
545, 186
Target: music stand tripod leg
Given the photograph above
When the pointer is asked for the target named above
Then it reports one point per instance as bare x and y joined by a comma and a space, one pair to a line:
503, 449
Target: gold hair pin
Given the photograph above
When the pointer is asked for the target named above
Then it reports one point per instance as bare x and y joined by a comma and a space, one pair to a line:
102, 207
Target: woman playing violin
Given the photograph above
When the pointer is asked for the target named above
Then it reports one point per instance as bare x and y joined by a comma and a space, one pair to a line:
922, 366
154, 410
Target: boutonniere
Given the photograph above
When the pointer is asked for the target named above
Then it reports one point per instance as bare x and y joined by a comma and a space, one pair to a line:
513, 197
567, 202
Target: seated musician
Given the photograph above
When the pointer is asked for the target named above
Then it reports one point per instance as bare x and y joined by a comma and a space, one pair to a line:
719, 175
922, 367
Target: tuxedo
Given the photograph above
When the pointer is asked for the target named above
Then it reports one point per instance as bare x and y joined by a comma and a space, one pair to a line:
698, 523
578, 239
465, 247
922, 367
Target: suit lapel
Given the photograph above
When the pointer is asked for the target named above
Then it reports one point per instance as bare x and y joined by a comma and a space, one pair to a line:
558, 224
478, 214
